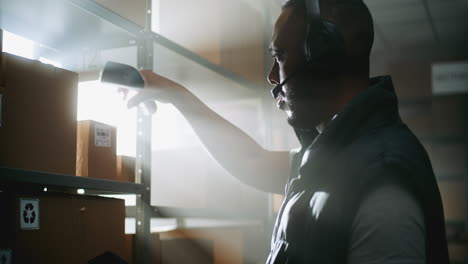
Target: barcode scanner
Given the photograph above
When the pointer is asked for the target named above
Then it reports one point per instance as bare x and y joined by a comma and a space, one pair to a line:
126, 76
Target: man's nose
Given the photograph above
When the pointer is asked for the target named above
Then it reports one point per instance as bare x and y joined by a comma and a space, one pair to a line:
273, 76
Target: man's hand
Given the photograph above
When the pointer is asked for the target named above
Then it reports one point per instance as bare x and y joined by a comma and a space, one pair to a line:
157, 88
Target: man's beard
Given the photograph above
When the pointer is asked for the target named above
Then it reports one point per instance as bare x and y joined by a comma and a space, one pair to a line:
307, 114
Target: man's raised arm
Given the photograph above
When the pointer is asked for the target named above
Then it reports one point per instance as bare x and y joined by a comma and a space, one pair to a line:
233, 149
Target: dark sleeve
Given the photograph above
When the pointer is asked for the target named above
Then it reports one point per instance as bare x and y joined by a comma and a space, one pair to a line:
388, 228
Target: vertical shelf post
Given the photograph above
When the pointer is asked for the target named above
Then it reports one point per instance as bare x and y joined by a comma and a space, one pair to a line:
465, 141
1, 77
142, 244
269, 217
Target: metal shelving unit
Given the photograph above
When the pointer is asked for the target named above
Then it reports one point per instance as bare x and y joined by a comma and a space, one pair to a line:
75, 31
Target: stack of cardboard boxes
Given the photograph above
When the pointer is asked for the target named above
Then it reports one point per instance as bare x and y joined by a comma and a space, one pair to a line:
39, 132
38, 127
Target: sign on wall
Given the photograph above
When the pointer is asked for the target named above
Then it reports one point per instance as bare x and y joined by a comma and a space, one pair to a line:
449, 78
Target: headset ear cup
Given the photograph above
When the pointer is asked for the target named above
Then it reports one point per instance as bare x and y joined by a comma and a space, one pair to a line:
315, 46
335, 54
325, 49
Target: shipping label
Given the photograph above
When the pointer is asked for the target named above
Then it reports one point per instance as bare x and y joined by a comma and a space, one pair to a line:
102, 136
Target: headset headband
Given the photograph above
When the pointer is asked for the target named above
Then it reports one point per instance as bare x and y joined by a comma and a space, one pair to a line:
313, 20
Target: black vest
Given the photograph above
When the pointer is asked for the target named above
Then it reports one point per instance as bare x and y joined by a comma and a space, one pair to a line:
331, 175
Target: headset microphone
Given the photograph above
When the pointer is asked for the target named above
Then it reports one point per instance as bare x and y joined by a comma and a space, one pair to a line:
277, 89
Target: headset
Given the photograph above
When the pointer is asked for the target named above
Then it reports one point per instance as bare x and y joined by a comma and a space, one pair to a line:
324, 48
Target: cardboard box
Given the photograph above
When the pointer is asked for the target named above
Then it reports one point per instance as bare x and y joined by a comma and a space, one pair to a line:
458, 253
453, 198
125, 169
449, 115
154, 248
447, 158
71, 228
96, 150
134, 10
38, 107
221, 245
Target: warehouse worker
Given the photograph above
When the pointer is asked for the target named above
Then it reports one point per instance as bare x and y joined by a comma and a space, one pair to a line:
361, 189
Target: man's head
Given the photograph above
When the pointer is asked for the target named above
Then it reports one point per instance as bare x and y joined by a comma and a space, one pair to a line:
307, 98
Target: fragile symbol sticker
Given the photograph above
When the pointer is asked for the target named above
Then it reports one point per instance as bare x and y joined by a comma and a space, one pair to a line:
5, 256
29, 214
102, 136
